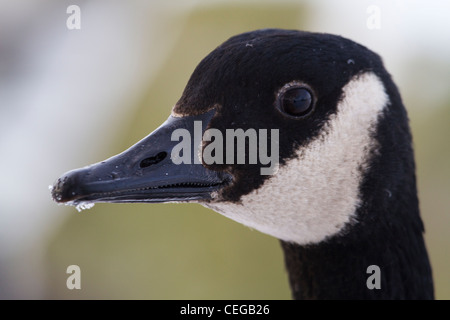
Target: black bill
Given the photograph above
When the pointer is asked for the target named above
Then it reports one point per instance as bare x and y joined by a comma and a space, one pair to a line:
145, 172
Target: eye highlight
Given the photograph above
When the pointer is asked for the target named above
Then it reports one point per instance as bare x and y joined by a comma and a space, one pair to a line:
295, 100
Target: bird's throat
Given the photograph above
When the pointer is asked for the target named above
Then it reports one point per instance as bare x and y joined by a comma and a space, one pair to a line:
360, 269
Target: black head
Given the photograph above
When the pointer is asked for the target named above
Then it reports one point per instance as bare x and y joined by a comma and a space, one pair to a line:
291, 84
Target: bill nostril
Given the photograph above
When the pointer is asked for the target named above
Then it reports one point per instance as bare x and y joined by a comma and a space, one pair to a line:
147, 162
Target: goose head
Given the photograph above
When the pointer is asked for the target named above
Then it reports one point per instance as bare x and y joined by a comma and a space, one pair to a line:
298, 135
318, 145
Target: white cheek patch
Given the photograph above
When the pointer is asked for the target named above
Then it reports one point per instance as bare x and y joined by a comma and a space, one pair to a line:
316, 193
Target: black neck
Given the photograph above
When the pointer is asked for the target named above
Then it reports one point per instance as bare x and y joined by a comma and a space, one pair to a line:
339, 270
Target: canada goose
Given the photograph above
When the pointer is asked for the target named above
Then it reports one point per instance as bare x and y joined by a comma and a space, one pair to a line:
343, 197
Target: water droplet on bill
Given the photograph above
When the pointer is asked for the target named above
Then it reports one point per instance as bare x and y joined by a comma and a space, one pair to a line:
84, 206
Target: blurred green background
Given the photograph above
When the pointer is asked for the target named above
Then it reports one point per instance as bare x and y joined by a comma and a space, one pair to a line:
69, 98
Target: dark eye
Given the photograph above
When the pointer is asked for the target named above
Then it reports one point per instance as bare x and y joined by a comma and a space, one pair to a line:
296, 101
